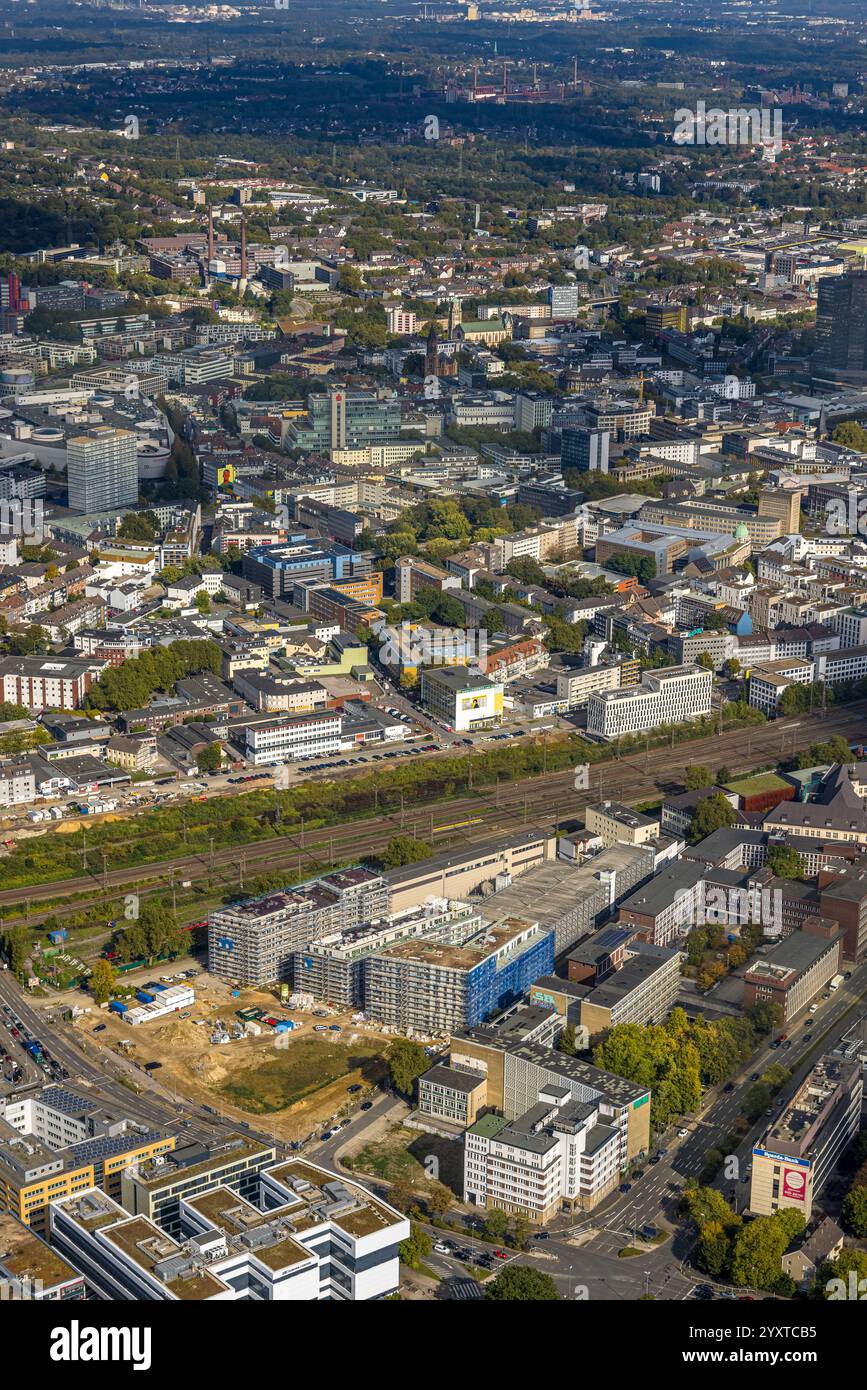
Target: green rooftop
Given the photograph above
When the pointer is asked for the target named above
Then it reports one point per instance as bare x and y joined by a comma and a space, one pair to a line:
759, 782
489, 1126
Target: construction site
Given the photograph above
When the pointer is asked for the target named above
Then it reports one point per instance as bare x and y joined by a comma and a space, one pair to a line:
249, 1056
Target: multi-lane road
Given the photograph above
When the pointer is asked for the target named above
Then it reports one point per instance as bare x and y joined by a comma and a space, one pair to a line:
582, 1254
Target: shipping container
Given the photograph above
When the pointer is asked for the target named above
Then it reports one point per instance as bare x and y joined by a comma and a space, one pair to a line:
117, 1006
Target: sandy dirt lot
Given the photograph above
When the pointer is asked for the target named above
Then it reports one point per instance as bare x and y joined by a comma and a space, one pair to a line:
290, 1084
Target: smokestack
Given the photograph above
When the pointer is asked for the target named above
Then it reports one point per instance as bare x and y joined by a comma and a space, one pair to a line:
210, 234
243, 248
505, 78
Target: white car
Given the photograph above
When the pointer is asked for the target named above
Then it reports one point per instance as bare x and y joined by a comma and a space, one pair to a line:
682, 1133
442, 1249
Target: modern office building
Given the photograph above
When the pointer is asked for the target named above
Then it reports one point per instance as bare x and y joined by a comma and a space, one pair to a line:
672, 695
277, 568
617, 824
584, 450
451, 1095
341, 419
304, 1235
841, 323
436, 989
517, 1070
31, 1270
155, 1187
800, 1148
102, 470
462, 697
414, 574
643, 990
793, 973
255, 942
293, 737
55, 1143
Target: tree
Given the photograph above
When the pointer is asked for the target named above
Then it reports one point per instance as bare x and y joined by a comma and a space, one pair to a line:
760, 1245
698, 777
711, 814
406, 1061
848, 1262
855, 1211
641, 566
852, 435
402, 1194
567, 1043
16, 948
102, 978
438, 1199
713, 1249
416, 1247
211, 758
403, 849
784, 862
520, 1283
496, 1224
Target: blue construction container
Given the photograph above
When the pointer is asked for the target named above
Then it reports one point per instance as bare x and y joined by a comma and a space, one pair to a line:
143, 997
57, 938
117, 1006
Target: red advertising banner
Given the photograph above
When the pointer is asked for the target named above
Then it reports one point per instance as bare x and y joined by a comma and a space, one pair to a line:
794, 1184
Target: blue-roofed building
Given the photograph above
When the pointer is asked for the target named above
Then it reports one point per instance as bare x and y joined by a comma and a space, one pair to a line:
436, 989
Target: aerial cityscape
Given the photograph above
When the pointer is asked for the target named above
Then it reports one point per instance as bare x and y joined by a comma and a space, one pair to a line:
433, 660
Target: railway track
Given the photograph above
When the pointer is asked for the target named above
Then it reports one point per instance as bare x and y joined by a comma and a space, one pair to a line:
545, 800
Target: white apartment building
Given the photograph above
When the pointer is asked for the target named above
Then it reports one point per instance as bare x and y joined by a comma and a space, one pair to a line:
769, 681
401, 321
562, 1152
674, 695
851, 623
102, 470
292, 738
17, 785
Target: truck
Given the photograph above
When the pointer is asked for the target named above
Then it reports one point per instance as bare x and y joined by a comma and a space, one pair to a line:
35, 1050
836, 982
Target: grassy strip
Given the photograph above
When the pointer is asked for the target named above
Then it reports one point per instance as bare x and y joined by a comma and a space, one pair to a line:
170, 832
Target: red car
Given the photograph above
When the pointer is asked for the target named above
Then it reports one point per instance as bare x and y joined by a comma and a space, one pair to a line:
500, 1255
